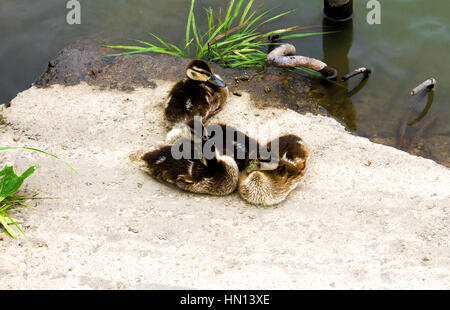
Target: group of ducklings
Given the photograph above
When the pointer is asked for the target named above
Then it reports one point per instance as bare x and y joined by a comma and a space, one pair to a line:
260, 180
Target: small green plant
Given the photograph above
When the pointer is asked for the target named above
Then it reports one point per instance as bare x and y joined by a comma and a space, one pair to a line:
10, 184
234, 40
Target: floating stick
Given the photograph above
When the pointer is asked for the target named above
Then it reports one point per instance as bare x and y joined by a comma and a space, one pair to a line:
283, 56
362, 70
430, 83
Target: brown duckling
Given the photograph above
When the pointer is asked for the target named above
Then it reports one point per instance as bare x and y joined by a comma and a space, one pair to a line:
201, 93
216, 176
269, 182
233, 143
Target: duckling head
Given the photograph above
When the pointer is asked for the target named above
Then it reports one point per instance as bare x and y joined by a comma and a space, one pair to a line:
262, 187
198, 70
268, 183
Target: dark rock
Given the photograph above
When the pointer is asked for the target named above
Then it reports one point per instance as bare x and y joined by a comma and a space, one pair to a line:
86, 61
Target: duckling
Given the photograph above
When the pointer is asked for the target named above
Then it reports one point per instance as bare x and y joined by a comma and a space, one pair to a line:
200, 93
216, 176
233, 143
266, 182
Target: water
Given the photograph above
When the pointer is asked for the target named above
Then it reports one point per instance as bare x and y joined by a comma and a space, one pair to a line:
411, 44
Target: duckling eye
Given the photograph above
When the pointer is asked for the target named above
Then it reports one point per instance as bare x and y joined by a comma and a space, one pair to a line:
196, 76
200, 69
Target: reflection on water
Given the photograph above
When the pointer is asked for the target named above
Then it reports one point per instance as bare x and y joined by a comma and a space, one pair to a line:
410, 46
336, 48
424, 112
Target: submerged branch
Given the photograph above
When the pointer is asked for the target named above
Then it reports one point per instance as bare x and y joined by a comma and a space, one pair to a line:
283, 56
425, 110
362, 70
420, 132
402, 130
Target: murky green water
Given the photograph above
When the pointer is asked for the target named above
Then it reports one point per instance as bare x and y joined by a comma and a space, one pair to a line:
411, 44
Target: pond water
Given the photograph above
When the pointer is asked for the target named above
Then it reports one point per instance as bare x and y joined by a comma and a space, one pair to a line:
411, 44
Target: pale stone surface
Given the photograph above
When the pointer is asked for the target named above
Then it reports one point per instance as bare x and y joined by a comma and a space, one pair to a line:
366, 215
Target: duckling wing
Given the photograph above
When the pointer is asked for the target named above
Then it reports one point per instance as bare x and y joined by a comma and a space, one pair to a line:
187, 174
237, 145
293, 155
186, 100
162, 166
194, 177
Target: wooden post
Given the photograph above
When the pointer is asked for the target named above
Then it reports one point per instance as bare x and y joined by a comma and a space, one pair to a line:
336, 48
338, 10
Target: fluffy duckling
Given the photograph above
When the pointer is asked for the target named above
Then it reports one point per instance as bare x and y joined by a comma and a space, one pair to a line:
216, 176
201, 93
233, 143
266, 182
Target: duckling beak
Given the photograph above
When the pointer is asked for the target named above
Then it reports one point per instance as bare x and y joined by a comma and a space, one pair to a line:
253, 166
218, 156
216, 80
203, 161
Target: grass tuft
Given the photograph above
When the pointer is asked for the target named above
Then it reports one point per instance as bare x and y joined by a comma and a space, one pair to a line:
234, 40
10, 184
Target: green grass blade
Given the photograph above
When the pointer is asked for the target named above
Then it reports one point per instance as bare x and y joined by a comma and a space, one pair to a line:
126, 53
159, 40
125, 47
244, 38
250, 17
188, 26
304, 35
178, 50
236, 11
211, 23
276, 17
15, 224
4, 207
6, 225
227, 16
254, 20
194, 30
36, 150
215, 34
244, 14
22, 204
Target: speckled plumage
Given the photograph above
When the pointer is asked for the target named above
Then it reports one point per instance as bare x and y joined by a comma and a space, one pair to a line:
234, 143
196, 94
217, 176
272, 186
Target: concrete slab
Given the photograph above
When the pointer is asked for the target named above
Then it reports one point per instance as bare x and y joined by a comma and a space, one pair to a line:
366, 216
